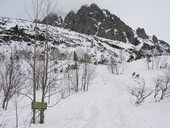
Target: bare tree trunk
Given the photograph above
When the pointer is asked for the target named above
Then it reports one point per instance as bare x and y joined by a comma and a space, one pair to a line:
46, 63
42, 111
148, 65
4, 103
41, 116
87, 85
77, 78
34, 80
37, 8
16, 111
82, 82
85, 76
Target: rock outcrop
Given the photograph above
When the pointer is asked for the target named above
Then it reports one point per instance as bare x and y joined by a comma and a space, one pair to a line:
53, 19
141, 33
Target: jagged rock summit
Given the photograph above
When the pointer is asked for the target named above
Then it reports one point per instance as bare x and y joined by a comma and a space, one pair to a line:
92, 20
95, 21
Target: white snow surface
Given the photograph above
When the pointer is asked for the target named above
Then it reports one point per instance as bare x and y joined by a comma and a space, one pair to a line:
107, 104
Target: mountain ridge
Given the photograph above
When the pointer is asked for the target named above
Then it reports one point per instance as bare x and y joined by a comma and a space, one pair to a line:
92, 20
22, 32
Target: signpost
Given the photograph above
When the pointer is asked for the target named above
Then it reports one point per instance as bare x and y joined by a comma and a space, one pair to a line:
39, 105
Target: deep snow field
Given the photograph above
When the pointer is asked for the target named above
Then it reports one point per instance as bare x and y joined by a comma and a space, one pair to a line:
107, 104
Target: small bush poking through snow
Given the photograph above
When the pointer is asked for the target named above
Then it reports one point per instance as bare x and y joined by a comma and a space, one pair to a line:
140, 92
162, 86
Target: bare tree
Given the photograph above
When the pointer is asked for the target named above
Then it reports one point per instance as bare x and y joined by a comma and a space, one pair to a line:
16, 109
75, 58
36, 8
88, 72
1, 86
113, 65
71, 79
157, 62
164, 63
122, 60
148, 60
153, 57
47, 83
12, 80
140, 92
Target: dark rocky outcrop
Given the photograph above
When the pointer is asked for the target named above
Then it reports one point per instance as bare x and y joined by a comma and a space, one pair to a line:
94, 21
53, 19
155, 39
136, 42
163, 43
141, 33
146, 47
70, 20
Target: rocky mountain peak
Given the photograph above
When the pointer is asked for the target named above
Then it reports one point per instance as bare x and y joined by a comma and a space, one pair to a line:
95, 21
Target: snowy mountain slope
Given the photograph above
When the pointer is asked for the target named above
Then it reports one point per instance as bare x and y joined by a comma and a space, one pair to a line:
107, 104
15, 30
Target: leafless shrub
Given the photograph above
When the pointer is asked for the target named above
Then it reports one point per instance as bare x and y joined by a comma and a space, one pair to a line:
162, 87
164, 63
148, 60
157, 62
11, 80
122, 61
72, 77
141, 92
113, 65
88, 72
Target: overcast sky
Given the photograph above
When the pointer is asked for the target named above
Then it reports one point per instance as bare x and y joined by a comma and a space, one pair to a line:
153, 15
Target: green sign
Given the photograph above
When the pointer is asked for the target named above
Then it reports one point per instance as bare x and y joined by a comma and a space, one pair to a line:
39, 105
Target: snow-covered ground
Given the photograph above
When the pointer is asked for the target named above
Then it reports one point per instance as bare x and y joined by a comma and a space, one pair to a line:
107, 104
